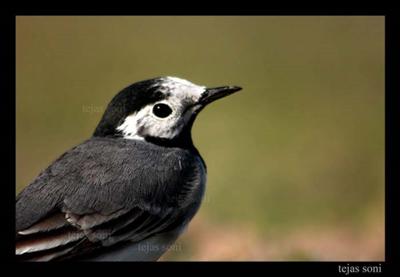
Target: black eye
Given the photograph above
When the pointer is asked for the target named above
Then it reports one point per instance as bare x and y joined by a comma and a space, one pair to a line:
162, 110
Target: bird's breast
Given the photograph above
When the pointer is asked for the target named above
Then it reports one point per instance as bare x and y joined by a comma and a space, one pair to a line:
194, 188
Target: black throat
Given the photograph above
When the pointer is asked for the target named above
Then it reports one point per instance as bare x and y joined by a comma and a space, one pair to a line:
179, 142
183, 140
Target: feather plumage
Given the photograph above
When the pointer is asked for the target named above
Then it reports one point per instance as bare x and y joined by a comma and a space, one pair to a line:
103, 200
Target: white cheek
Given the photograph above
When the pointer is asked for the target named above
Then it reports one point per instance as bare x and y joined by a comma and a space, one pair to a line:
163, 128
129, 129
182, 91
150, 125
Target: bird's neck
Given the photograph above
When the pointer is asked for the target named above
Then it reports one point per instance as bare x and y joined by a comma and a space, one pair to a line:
183, 141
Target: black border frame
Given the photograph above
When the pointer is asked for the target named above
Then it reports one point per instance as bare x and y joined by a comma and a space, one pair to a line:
392, 102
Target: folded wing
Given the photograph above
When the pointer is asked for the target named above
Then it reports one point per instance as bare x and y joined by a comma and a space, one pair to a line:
95, 196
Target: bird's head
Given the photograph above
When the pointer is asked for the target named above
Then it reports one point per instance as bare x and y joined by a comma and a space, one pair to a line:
158, 110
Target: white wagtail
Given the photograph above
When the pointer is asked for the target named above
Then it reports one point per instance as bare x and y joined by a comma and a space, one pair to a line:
126, 193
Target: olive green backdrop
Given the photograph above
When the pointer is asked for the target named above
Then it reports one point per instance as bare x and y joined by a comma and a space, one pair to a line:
295, 160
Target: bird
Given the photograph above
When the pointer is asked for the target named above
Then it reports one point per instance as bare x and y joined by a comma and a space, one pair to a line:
129, 191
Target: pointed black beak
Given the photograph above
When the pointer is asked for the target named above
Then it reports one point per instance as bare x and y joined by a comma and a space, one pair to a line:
212, 94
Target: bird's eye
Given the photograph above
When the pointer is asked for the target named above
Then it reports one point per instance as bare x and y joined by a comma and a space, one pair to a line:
162, 110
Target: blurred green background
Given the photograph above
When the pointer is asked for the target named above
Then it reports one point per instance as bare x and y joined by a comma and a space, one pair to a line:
295, 160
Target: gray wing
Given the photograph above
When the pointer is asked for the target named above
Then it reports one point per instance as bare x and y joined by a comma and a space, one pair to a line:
97, 195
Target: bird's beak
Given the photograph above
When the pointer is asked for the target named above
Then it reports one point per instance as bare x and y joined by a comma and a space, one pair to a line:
212, 94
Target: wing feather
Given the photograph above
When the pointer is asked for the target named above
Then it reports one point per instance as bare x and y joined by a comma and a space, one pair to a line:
51, 223
47, 244
96, 196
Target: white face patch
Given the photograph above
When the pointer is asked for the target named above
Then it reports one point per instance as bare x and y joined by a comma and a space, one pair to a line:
181, 88
179, 95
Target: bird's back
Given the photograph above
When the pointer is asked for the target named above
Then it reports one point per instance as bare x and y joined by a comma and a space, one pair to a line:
105, 192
